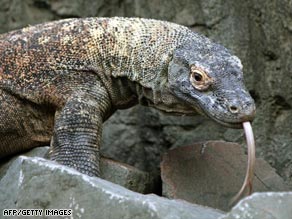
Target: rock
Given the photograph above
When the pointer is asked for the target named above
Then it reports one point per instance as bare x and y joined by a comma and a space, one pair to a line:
211, 173
128, 176
142, 137
270, 205
36, 152
36, 183
113, 171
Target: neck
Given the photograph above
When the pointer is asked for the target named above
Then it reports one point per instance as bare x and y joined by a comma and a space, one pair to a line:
138, 49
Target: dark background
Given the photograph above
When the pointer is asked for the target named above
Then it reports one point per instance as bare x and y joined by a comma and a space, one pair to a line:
259, 32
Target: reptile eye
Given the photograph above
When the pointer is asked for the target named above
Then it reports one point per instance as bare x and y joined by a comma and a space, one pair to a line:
199, 78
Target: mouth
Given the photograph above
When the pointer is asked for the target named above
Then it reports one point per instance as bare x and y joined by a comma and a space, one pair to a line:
230, 121
234, 125
199, 108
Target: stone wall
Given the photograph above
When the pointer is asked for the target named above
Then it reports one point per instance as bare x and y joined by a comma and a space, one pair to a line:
258, 31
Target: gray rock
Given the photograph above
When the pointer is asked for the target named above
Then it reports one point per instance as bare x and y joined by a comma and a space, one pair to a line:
211, 173
128, 176
41, 184
270, 205
141, 134
113, 171
36, 152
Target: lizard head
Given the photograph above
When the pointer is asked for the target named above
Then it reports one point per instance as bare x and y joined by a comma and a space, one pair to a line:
209, 79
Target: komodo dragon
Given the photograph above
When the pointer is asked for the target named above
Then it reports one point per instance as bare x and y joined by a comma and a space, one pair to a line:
59, 82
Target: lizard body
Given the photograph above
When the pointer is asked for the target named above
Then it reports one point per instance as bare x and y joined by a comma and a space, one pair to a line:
59, 82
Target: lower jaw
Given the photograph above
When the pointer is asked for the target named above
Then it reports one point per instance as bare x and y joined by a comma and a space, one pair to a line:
191, 112
229, 125
234, 125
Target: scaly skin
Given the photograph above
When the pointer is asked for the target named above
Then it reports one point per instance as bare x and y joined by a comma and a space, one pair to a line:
60, 81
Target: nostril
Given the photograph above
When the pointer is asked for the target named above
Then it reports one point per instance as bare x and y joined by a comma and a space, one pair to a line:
233, 109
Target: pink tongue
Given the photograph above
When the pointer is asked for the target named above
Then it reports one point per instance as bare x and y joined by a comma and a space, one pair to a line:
247, 184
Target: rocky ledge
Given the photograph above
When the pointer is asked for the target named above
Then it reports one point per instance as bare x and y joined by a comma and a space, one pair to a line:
36, 183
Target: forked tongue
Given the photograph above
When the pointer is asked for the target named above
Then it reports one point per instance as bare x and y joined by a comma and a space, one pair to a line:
247, 184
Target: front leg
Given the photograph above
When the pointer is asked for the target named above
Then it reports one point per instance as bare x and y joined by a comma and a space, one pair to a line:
78, 129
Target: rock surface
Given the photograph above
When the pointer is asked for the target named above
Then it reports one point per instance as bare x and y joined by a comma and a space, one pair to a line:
270, 205
36, 183
128, 176
211, 173
258, 31
113, 171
